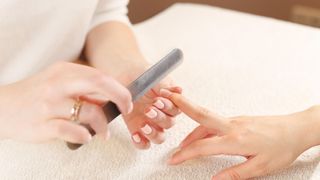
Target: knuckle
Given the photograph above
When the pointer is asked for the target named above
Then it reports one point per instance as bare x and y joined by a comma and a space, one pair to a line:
158, 140
46, 107
262, 167
197, 148
99, 79
239, 139
241, 136
168, 124
48, 86
48, 97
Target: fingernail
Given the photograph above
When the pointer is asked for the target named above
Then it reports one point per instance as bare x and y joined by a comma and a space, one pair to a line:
165, 93
146, 129
151, 113
130, 108
136, 138
159, 104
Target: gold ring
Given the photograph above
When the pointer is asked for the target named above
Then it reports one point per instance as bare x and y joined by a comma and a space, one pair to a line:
75, 111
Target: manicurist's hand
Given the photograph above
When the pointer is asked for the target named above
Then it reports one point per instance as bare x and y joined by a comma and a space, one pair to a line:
267, 142
38, 109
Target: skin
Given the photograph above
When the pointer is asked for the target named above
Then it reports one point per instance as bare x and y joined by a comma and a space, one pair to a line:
268, 143
112, 48
37, 109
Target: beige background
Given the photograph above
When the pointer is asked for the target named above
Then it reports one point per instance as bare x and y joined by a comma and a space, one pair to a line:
281, 9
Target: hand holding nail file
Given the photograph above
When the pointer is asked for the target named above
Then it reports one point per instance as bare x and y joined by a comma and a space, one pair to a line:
142, 85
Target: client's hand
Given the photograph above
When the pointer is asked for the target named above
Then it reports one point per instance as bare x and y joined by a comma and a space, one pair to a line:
267, 142
38, 109
152, 114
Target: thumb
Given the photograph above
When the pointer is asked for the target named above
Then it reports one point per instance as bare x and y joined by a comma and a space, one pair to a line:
198, 113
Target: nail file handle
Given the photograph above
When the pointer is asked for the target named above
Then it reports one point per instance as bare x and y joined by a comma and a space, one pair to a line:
110, 110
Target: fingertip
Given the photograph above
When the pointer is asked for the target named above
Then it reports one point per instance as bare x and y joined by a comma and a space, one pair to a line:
159, 104
220, 176
88, 138
173, 160
140, 142
170, 161
136, 138
176, 89
151, 113
85, 136
108, 135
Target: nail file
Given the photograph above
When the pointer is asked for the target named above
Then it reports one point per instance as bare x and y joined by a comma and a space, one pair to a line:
141, 85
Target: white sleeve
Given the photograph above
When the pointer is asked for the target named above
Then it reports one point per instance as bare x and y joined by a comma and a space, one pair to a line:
110, 10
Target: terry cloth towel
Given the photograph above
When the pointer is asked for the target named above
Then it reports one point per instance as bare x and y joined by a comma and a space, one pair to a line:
235, 64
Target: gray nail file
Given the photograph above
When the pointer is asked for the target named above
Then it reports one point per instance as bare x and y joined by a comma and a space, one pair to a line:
147, 80
142, 84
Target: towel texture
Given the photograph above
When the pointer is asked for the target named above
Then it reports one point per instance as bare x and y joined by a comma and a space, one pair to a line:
235, 64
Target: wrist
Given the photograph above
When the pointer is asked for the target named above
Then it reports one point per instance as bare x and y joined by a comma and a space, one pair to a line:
6, 94
310, 126
123, 70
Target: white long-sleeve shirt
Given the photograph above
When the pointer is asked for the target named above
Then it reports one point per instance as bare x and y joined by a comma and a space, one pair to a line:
37, 33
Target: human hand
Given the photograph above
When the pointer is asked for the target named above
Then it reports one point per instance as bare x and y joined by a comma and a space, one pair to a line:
268, 142
152, 114
37, 109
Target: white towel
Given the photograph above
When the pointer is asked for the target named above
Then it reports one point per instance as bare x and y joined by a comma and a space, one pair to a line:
235, 64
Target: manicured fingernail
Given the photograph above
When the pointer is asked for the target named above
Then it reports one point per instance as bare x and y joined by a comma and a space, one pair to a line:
159, 104
151, 113
130, 108
136, 138
165, 93
146, 129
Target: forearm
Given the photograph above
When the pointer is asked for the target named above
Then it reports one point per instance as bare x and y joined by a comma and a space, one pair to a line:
112, 48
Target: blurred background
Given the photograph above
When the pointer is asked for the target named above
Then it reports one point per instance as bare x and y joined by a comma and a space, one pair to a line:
299, 11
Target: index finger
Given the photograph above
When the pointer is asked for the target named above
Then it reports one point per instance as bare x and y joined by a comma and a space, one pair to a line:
198, 113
